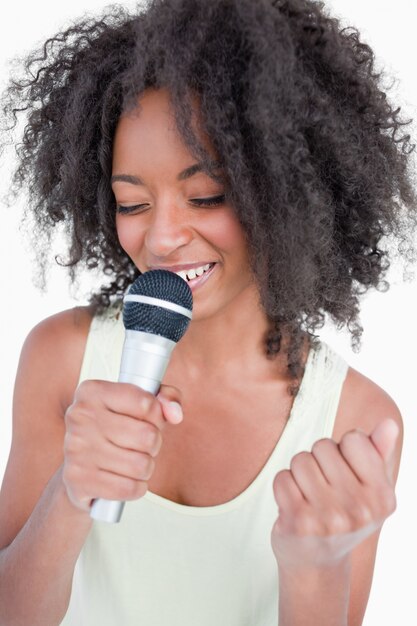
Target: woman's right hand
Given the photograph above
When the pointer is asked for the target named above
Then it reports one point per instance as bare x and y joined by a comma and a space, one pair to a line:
113, 436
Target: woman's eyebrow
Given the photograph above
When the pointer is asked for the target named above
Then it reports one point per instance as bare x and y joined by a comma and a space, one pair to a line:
198, 167
126, 178
187, 173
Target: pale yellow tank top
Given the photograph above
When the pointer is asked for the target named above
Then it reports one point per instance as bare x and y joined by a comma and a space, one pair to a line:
167, 564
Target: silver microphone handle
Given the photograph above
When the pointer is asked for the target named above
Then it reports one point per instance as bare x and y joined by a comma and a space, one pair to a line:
145, 358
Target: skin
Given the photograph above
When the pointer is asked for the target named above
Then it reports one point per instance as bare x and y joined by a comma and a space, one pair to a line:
104, 439
171, 231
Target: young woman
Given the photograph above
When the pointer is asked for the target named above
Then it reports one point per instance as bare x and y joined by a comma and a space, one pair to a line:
250, 147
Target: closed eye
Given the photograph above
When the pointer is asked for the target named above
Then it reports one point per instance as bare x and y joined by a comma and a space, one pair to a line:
209, 201
201, 202
130, 209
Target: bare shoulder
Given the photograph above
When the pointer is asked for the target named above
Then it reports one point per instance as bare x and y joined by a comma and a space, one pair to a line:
364, 404
55, 347
46, 379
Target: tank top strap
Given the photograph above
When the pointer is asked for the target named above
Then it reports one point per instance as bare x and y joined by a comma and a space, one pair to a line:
319, 395
104, 345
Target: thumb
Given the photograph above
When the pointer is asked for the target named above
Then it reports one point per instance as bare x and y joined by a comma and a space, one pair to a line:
170, 400
384, 438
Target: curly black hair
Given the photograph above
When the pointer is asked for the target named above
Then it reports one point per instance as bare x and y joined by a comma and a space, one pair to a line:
315, 164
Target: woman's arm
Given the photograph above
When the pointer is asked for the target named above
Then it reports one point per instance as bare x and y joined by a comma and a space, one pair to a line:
36, 569
336, 593
41, 532
365, 405
315, 597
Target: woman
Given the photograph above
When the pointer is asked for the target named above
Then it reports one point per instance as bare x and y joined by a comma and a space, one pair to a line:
252, 144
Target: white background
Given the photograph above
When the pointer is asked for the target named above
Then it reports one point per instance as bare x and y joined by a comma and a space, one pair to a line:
390, 337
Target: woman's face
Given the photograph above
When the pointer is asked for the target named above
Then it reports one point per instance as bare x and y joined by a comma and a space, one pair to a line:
171, 218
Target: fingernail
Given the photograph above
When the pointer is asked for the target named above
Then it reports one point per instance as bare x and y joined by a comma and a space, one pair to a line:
176, 412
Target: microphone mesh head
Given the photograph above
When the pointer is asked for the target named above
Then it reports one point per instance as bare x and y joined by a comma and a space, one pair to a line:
154, 319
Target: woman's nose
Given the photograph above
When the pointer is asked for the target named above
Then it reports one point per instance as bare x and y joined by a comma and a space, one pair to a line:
168, 230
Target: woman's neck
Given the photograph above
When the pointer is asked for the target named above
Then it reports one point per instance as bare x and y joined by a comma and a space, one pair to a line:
233, 339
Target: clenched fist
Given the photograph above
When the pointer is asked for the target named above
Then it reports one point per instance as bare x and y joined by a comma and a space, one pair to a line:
113, 436
334, 497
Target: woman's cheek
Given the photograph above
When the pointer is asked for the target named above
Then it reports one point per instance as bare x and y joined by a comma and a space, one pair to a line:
129, 237
229, 233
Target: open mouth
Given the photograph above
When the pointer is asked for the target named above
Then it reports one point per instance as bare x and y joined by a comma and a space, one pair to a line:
198, 275
196, 272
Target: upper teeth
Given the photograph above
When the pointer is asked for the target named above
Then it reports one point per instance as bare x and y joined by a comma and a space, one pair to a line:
196, 271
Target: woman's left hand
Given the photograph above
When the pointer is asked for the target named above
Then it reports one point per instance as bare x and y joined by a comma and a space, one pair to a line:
333, 497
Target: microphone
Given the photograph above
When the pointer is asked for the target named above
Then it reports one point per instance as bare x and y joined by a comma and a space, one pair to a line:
156, 312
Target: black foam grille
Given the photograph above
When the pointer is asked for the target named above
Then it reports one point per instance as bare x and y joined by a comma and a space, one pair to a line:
164, 285
158, 320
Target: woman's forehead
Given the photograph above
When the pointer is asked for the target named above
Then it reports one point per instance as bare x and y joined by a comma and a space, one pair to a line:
152, 125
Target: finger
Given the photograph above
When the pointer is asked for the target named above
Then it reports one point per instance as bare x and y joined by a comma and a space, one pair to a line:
170, 393
333, 465
136, 403
363, 457
309, 478
171, 409
120, 398
130, 433
128, 463
170, 398
384, 437
286, 492
115, 487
